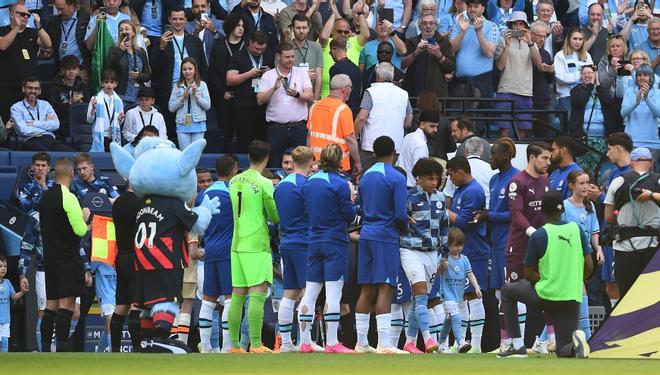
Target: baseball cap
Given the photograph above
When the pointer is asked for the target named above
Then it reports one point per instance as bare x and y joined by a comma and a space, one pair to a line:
641, 153
552, 201
482, 2
146, 91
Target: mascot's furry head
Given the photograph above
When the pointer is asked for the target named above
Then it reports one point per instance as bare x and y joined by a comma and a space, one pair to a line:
158, 167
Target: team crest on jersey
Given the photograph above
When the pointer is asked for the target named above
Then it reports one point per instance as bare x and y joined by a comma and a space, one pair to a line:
457, 268
513, 186
514, 276
546, 189
439, 205
583, 217
148, 201
502, 191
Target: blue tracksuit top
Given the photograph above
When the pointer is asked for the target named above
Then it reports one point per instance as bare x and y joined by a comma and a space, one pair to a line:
469, 198
499, 216
559, 178
429, 232
328, 201
218, 235
383, 195
294, 223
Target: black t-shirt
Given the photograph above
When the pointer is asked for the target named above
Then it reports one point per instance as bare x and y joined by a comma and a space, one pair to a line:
124, 211
160, 233
346, 66
20, 59
244, 94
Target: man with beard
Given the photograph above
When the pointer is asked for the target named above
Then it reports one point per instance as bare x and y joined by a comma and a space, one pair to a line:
414, 146
256, 19
562, 158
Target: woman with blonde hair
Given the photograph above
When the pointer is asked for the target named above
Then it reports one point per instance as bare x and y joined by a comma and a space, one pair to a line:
568, 63
610, 63
130, 62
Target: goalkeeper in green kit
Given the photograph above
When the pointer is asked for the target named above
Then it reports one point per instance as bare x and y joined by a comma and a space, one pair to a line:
251, 262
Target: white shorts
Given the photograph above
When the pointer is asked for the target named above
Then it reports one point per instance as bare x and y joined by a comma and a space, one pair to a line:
420, 266
451, 308
4, 330
40, 287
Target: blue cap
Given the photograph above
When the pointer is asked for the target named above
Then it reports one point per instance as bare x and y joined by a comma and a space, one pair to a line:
641, 153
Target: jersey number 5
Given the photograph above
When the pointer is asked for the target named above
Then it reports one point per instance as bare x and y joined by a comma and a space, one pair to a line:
143, 233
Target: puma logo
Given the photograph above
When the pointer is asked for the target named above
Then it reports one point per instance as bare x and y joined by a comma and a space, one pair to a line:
559, 236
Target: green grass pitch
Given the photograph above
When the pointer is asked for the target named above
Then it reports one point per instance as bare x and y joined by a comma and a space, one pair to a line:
298, 364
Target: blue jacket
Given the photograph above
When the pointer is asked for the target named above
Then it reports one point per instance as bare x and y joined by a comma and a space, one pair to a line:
641, 118
429, 232
499, 216
383, 199
559, 178
30, 194
209, 38
294, 223
328, 201
218, 235
101, 184
468, 199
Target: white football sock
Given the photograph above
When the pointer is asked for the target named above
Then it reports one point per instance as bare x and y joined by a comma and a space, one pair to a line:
225, 326
362, 327
477, 320
465, 317
285, 319
331, 316
383, 322
184, 328
397, 323
306, 311
206, 323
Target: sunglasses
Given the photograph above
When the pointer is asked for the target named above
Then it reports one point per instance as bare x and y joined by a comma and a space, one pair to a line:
615, 36
23, 14
345, 32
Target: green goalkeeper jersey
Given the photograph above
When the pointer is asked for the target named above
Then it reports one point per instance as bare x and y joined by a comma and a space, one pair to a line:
252, 203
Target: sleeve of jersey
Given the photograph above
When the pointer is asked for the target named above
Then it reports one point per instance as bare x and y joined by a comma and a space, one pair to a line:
466, 264
471, 203
73, 212
517, 205
401, 202
269, 202
536, 248
345, 205
586, 249
27, 246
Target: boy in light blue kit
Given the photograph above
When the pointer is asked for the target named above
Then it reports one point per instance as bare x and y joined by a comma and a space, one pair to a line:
6, 292
453, 288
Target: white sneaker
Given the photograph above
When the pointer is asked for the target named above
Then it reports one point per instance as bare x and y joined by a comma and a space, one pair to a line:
317, 348
464, 347
203, 349
289, 349
540, 347
390, 350
364, 349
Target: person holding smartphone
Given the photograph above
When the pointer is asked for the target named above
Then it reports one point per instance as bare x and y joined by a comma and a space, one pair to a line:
130, 63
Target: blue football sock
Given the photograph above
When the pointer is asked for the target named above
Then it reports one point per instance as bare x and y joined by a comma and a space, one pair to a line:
104, 342
446, 326
583, 322
456, 327
421, 312
72, 328
215, 330
38, 334
412, 322
544, 335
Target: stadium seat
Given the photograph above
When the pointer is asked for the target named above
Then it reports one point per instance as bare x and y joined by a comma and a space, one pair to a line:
80, 131
12, 227
5, 158
47, 71
7, 181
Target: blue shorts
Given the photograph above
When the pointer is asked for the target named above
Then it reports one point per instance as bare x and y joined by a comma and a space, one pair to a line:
497, 264
327, 262
436, 288
480, 271
378, 262
608, 265
523, 120
294, 267
217, 278
403, 292
105, 283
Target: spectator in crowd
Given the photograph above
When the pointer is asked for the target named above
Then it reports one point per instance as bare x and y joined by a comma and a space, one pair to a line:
301, 8
222, 97
595, 34
7, 293
641, 110
515, 57
550, 262
384, 33
441, 142
36, 120
106, 112
67, 32
343, 65
424, 7
286, 91
190, 100
204, 26
474, 42
144, 114
652, 44
384, 53
447, 21
636, 58
62, 225
130, 62
593, 115
543, 79
68, 89
568, 62
308, 53
30, 194
5, 18
256, 19
563, 151
610, 11
286, 164
462, 129
414, 145
153, 15
88, 182
341, 31
402, 11
638, 215
385, 110
112, 16
636, 30
18, 54
610, 64
501, 12
173, 47
545, 11
331, 122
244, 72
430, 60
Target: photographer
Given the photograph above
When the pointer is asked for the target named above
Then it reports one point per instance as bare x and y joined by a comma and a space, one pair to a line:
112, 16
635, 196
130, 63
612, 64
204, 26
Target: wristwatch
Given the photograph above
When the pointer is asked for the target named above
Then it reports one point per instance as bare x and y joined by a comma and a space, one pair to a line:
531, 44
297, 94
392, 33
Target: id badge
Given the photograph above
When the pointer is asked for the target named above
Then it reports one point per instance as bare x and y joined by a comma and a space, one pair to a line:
304, 65
255, 84
26, 54
154, 12
63, 47
188, 119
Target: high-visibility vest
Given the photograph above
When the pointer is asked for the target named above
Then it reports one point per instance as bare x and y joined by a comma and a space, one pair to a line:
104, 240
323, 124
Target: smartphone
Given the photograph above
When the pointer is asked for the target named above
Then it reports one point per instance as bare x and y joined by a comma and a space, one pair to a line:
386, 14
285, 83
623, 71
571, 65
124, 36
168, 28
516, 33
432, 41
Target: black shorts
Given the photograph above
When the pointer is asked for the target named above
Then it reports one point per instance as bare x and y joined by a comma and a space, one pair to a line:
152, 287
125, 266
64, 280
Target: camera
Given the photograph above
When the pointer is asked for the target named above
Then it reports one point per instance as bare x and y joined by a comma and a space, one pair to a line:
516, 33
103, 12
